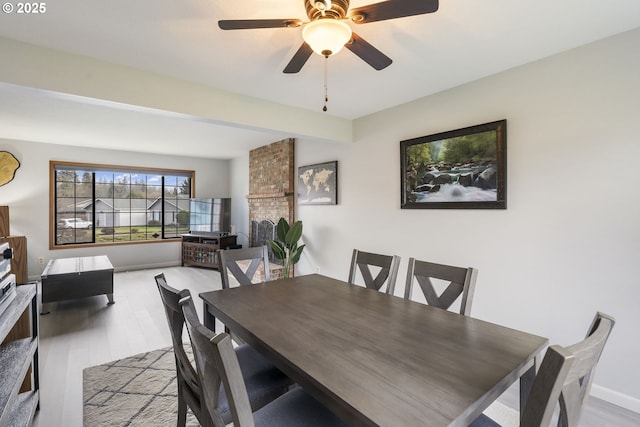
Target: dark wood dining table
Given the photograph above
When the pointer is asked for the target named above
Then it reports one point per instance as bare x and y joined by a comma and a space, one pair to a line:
375, 359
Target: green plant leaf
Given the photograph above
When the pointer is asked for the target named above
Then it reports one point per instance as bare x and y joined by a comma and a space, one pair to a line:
294, 255
294, 234
282, 229
278, 249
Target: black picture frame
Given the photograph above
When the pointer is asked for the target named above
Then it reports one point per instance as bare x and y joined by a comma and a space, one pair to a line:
458, 169
318, 184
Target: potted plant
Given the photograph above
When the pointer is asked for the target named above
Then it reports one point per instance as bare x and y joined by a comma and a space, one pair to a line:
285, 246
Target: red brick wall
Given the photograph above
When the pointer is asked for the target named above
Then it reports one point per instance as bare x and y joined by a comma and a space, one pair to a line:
272, 182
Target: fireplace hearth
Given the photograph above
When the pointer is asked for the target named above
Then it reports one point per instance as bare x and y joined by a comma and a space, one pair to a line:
261, 232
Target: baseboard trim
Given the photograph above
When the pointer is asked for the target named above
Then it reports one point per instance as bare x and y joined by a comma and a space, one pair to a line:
147, 266
615, 397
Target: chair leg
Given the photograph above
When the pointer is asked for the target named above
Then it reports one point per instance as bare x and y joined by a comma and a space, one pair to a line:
182, 408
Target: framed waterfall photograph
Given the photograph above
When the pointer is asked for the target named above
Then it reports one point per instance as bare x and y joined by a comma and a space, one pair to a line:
318, 184
459, 169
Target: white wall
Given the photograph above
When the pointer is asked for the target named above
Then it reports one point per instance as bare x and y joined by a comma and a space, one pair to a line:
239, 202
568, 243
28, 199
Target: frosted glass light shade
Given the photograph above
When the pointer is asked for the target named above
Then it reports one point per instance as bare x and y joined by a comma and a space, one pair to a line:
326, 36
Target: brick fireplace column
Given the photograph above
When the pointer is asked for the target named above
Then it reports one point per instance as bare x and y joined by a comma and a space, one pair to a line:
272, 183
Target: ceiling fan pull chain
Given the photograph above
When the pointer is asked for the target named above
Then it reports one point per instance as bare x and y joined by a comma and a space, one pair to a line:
326, 96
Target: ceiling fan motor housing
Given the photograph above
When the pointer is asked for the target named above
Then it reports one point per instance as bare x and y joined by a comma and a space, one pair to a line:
338, 9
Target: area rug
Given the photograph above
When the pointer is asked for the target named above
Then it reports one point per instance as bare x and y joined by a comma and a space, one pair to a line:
139, 390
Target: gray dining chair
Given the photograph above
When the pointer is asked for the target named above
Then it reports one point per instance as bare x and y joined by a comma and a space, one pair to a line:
459, 281
246, 265
385, 268
564, 379
221, 379
263, 380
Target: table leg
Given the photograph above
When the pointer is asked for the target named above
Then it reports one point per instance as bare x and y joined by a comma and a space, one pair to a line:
45, 309
526, 382
209, 319
110, 298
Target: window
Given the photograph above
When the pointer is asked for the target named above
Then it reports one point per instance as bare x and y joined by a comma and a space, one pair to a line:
100, 204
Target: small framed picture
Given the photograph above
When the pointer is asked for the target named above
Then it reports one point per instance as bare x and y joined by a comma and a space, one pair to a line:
318, 184
459, 169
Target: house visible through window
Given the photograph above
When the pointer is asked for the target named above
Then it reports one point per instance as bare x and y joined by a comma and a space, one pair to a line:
96, 204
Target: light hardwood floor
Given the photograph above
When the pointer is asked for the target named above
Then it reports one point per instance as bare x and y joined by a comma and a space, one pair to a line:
82, 333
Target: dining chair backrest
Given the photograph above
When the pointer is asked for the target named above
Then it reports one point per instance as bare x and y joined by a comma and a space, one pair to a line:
565, 376
386, 266
217, 362
245, 265
563, 380
189, 390
461, 282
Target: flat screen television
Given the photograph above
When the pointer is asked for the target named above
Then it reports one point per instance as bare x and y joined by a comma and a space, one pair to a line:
212, 215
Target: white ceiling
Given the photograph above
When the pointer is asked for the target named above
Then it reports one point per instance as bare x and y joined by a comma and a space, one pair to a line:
463, 41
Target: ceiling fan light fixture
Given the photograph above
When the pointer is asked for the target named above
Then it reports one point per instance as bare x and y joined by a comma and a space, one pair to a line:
326, 36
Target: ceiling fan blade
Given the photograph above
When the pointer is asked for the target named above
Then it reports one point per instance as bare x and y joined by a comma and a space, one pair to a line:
299, 59
245, 24
391, 9
368, 53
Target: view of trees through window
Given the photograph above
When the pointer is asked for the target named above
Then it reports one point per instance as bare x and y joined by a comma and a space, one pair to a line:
107, 204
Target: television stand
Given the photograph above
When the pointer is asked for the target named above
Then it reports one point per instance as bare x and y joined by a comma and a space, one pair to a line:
201, 249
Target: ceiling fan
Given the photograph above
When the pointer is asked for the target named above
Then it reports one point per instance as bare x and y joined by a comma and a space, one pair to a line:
326, 32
